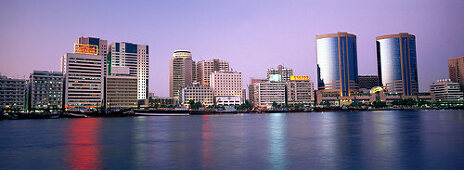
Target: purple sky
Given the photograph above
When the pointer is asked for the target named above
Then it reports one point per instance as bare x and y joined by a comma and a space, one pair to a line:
251, 35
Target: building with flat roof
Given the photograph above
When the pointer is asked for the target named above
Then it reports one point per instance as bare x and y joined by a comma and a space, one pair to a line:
337, 63
397, 63
197, 93
446, 91
12, 92
121, 91
206, 67
456, 70
44, 90
92, 46
226, 84
266, 93
300, 90
284, 72
83, 84
368, 81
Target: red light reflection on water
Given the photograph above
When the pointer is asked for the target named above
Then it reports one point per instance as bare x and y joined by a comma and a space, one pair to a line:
83, 148
207, 149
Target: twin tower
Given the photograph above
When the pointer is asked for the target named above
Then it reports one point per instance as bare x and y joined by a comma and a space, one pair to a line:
337, 63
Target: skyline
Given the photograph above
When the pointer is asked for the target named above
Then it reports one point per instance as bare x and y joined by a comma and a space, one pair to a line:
233, 31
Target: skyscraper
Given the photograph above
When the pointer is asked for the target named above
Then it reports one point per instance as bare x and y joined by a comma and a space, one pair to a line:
93, 46
456, 70
284, 72
206, 67
181, 72
83, 85
397, 64
337, 64
134, 57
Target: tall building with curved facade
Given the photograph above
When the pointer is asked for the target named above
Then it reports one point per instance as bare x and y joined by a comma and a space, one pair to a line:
397, 63
181, 72
337, 64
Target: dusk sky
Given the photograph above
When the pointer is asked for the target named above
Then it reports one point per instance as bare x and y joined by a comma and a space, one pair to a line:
251, 35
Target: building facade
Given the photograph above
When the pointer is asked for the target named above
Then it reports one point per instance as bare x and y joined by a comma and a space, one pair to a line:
197, 93
181, 72
456, 70
281, 70
135, 58
446, 91
337, 64
226, 84
12, 92
368, 81
300, 90
266, 93
121, 91
251, 90
397, 63
83, 84
92, 46
206, 67
45, 89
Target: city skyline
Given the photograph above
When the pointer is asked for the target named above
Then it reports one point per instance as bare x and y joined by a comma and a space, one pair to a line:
240, 33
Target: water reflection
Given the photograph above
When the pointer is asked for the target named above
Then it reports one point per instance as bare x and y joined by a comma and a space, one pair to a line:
206, 144
83, 148
277, 148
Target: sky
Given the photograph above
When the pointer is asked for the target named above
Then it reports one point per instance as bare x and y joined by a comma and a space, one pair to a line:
252, 35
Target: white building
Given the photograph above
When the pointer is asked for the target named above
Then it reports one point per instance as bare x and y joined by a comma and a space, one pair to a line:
266, 93
446, 91
227, 84
83, 87
228, 100
197, 93
135, 57
206, 67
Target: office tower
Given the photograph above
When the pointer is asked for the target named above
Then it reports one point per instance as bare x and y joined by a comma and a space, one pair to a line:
456, 70
284, 72
92, 46
300, 90
226, 83
197, 93
83, 85
368, 81
44, 90
266, 93
12, 93
337, 64
121, 91
397, 65
446, 91
134, 57
181, 72
206, 67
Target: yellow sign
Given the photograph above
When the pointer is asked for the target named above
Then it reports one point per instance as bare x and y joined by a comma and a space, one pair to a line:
376, 89
299, 78
86, 49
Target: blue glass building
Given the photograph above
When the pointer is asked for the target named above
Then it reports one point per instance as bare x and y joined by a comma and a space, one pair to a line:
397, 64
337, 64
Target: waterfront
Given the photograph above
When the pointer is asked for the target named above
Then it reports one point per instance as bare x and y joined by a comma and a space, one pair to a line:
317, 140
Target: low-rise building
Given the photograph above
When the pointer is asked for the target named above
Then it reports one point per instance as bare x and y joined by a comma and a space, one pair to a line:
121, 91
228, 100
446, 91
12, 92
197, 93
300, 90
368, 81
44, 90
266, 93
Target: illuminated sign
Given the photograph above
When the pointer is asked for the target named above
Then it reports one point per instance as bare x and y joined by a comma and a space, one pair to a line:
86, 49
376, 89
299, 78
275, 77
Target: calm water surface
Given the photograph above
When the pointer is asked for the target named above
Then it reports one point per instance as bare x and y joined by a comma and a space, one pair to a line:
330, 140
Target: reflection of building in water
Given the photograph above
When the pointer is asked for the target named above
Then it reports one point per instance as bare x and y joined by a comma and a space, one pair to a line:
277, 141
206, 144
83, 147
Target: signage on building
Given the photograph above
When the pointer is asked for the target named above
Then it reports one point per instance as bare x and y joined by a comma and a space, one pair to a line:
86, 49
376, 89
275, 77
299, 78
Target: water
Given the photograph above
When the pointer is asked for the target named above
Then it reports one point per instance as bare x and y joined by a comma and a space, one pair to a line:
330, 140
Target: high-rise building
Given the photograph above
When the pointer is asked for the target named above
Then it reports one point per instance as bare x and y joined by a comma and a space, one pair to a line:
206, 67
12, 92
446, 91
456, 70
197, 93
92, 46
123, 55
226, 83
44, 90
83, 85
300, 90
397, 64
181, 72
266, 93
284, 72
368, 81
337, 63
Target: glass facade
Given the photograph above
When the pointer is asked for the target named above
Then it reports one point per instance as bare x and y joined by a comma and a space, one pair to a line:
397, 64
337, 65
